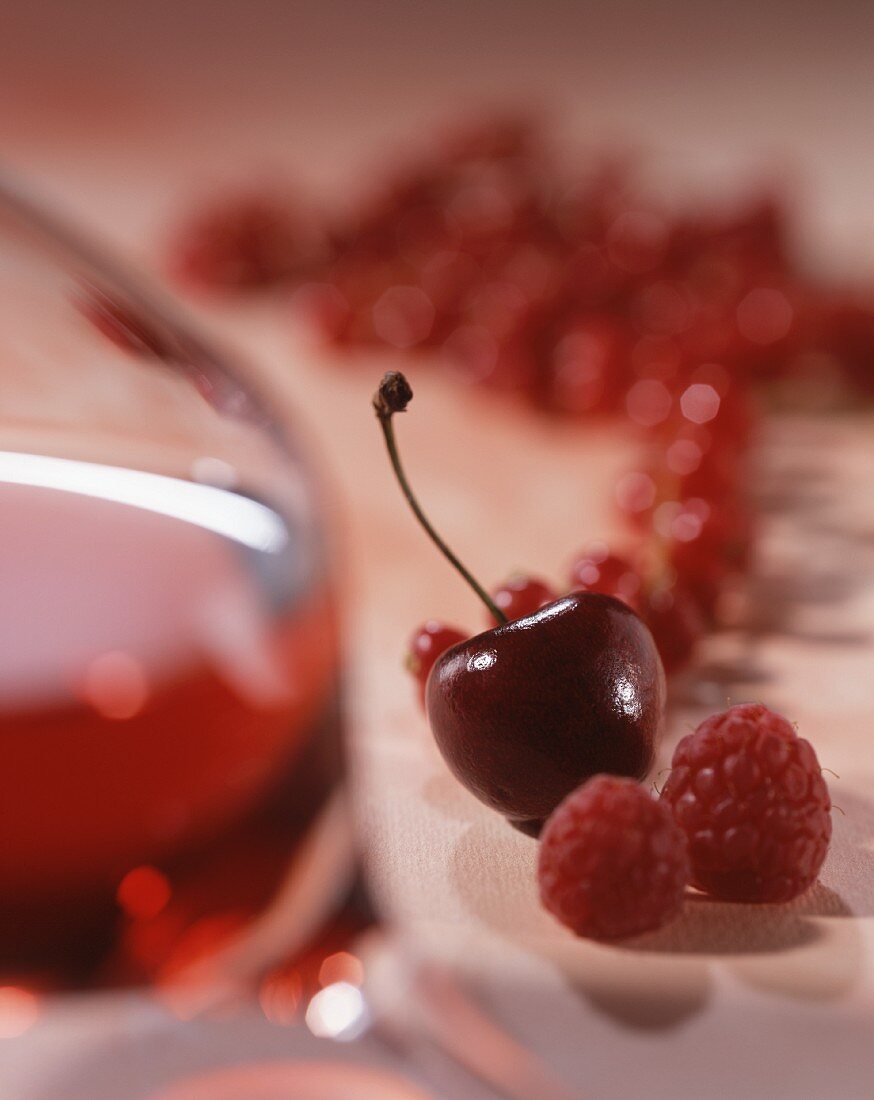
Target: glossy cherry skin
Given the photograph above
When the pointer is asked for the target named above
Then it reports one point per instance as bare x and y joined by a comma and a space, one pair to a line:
526, 712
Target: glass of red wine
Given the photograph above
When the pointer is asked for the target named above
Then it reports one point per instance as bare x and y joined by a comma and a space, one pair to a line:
169, 716
173, 815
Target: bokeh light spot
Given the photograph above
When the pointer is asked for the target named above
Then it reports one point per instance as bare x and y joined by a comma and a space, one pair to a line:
280, 998
700, 403
116, 686
403, 316
764, 316
339, 1012
683, 457
648, 402
635, 492
342, 966
19, 1011
143, 892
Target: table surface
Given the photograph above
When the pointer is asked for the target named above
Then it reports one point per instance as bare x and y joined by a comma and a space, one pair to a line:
780, 1001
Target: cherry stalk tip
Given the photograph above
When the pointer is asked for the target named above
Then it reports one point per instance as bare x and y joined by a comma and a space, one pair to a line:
393, 395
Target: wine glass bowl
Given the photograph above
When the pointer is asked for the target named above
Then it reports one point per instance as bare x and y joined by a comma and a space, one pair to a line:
169, 663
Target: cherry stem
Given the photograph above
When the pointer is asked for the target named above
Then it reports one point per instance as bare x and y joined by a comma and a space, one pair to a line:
393, 396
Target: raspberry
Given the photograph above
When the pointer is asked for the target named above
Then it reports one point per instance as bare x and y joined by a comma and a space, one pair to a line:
748, 793
612, 861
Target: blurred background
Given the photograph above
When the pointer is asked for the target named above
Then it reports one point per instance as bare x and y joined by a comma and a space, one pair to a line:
123, 106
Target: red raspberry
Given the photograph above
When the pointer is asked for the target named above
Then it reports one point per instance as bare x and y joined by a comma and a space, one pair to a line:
748, 793
612, 861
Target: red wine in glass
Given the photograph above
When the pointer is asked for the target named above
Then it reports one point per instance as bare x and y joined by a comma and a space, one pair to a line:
169, 670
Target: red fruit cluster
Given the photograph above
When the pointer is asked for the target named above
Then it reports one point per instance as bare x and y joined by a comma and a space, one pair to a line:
744, 816
578, 291
584, 297
247, 243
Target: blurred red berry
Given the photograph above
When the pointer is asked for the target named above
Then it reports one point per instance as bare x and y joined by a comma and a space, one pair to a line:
845, 332
324, 310
426, 645
496, 138
242, 243
676, 624
522, 595
596, 569
636, 494
586, 366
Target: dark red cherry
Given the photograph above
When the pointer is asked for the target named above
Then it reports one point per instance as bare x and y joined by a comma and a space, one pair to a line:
427, 643
527, 711
522, 595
